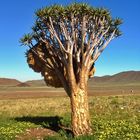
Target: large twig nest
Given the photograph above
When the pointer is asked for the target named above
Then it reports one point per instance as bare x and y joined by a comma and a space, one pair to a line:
35, 61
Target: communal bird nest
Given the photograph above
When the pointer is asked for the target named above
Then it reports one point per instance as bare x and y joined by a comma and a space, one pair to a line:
35, 59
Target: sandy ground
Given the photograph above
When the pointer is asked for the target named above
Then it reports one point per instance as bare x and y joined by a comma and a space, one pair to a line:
41, 94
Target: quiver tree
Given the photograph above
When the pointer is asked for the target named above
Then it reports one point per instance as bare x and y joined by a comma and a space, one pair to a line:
64, 45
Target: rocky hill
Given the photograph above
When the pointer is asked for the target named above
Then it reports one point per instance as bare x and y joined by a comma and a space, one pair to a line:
122, 78
119, 78
8, 82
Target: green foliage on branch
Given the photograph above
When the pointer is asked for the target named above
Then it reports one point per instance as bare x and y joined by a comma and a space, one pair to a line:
59, 13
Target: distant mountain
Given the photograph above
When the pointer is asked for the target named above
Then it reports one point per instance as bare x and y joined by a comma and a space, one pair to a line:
36, 83
119, 78
122, 78
23, 85
8, 82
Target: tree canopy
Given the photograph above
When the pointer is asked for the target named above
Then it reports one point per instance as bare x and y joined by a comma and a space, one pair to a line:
77, 30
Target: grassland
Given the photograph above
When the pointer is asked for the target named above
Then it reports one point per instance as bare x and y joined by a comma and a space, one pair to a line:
112, 118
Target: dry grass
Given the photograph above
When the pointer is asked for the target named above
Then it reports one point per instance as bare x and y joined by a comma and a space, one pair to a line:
113, 117
61, 106
27, 107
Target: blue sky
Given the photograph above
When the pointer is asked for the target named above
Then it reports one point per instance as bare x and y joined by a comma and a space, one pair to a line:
17, 18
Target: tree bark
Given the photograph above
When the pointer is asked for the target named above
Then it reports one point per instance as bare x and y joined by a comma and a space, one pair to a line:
80, 113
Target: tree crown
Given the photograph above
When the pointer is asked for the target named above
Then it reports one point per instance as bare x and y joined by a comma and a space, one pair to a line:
59, 13
73, 35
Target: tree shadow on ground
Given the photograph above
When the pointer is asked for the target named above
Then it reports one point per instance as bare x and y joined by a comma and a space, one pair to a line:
51, 122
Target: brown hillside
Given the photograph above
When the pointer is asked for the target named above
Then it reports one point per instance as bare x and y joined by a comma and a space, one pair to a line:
131, 76
8, 82
123, 77
36, 83
23, 85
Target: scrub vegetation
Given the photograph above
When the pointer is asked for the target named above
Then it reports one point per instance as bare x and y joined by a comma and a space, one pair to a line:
112, 118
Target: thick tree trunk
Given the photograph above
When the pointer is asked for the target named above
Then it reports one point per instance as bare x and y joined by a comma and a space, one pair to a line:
80, 113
